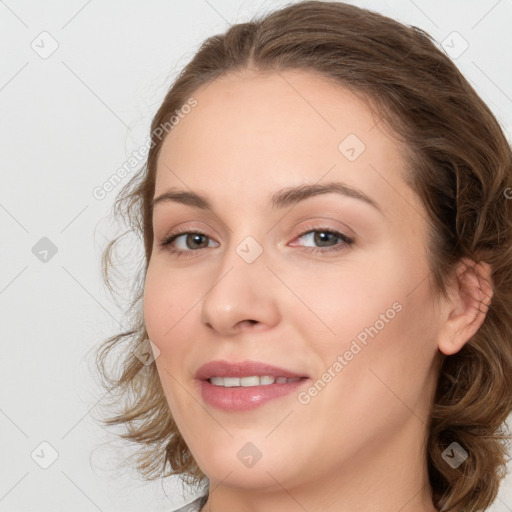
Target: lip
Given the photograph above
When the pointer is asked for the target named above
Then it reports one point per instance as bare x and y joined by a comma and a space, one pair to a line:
223, 368
244, 398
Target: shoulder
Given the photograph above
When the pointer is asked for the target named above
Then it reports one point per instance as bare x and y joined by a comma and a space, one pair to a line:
193, 506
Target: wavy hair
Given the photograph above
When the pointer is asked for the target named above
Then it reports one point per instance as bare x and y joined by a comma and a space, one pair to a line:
460, 166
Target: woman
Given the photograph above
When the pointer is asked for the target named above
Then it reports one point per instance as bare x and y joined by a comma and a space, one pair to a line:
328, 277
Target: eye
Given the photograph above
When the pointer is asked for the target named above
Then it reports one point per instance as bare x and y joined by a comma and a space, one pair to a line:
195, 240
324, 238
191, 241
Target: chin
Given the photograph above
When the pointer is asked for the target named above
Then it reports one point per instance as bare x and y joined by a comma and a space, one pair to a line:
242, 463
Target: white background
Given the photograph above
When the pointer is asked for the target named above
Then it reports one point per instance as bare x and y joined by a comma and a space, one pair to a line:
68, 122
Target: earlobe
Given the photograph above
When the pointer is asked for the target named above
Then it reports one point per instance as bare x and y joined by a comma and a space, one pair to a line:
470, 297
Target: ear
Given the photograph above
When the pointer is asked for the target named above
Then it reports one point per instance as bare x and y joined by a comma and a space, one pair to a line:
470, 293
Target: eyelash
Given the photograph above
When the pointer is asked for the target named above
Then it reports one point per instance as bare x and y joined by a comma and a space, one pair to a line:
347, 241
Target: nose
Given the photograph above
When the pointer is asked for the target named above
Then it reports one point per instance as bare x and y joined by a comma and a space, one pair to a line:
241, 297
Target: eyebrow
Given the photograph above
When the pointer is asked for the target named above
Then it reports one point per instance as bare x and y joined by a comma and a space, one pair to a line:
280, 199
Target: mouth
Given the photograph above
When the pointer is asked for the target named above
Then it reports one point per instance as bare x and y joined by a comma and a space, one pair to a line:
241, 386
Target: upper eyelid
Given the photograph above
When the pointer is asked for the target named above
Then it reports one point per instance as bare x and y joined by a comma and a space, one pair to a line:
345, 230
303, 231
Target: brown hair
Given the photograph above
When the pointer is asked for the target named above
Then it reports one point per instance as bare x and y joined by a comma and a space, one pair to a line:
460, 167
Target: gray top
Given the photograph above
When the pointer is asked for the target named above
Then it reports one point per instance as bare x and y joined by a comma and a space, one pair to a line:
194, 506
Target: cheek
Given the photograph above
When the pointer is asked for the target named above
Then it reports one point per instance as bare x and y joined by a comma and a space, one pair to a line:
385, 368
168, 304
344, 300
168, 311
377, 320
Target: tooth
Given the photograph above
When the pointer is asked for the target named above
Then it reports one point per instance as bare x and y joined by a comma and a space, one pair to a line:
231, 382
250, 381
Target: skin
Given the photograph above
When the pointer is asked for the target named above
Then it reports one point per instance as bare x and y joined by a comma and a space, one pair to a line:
358, 445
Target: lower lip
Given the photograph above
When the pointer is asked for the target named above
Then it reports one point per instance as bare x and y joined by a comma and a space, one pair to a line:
245, 398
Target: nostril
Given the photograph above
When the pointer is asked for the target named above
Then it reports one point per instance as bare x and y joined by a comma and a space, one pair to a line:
247, 325
251, 322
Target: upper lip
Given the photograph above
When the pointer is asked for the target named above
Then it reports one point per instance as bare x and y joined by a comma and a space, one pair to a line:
223, 368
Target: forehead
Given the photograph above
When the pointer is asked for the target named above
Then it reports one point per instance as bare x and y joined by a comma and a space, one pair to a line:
297, 107
274, 130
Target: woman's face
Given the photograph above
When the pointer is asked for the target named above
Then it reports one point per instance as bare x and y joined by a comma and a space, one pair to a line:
355, 319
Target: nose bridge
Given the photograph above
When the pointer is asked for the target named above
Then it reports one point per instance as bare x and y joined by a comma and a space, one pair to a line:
240, 294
